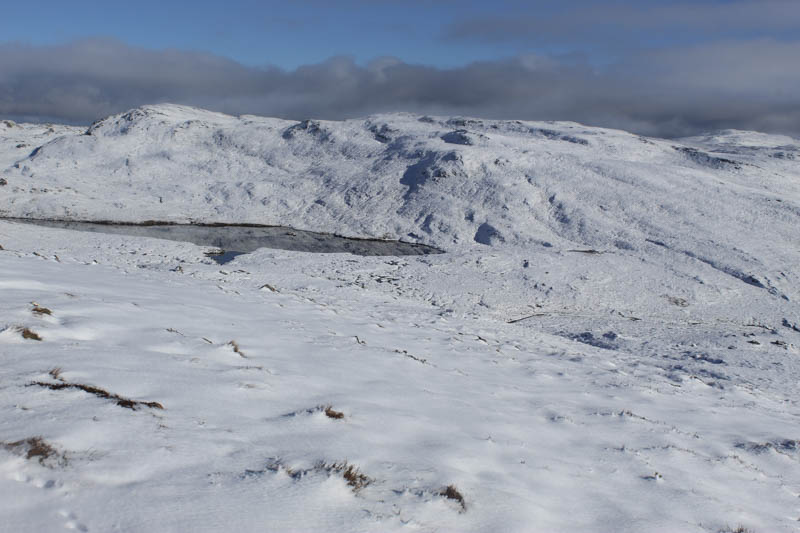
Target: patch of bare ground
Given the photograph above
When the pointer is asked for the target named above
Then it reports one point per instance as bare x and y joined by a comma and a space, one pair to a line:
29, 334
39, 310
674, 300
326, 409
36, 448
236, 349
452, 493
330, 413
414, 357
96, 391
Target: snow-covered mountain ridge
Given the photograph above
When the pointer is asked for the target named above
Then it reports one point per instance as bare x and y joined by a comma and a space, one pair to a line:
441, 181
446, 182
731, 200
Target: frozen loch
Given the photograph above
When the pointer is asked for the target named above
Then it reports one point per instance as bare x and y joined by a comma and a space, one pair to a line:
229, 241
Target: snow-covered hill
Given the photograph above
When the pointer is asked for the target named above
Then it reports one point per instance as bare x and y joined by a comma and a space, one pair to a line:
730, 200
610, 342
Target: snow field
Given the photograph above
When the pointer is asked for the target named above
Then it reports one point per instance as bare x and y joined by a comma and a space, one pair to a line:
610, 342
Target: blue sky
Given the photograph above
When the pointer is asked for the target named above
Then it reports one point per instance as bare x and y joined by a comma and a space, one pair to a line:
286, 34
440, 33
662, 67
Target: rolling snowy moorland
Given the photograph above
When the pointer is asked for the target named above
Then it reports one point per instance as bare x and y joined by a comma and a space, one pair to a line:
610, 342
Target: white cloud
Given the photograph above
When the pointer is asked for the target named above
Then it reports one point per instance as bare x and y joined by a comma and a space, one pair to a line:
746, 85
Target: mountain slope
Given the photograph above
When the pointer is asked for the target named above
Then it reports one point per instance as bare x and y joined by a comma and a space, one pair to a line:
446, 182
610, 341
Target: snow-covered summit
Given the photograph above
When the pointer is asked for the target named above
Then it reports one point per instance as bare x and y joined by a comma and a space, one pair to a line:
745, 139
149, 116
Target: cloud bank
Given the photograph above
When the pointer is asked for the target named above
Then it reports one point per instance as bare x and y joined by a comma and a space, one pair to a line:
669, 92
629, 21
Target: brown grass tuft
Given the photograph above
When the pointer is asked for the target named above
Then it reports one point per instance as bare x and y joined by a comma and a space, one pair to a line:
29, 334
330, 413
100, 393
36, 448
452, 493
39, 310
236, 349
354, 477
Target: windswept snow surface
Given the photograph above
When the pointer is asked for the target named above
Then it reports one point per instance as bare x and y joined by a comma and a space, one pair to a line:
610, 342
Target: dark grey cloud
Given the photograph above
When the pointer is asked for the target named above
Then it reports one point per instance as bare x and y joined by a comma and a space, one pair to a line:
745, 85
607, 22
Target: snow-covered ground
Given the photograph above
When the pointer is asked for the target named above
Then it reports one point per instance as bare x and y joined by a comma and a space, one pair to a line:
610, 343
